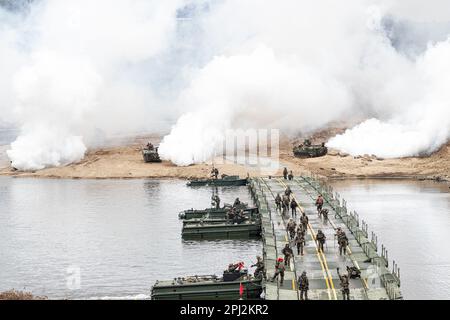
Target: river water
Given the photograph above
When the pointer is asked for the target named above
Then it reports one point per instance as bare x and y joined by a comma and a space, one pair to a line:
119, 236
412, 218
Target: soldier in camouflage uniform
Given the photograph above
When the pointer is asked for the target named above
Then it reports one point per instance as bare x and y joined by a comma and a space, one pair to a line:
279, 270
345, 285
301, 228
304, 221
231, 214
288, 191
239, 217
294, 206
278, 201
288, 254
216, 201
321, 238
303, 286
342, 242
353, 272
300, 242
260, 271
319, 204
285, 205
214, 173
324, 214
290, 227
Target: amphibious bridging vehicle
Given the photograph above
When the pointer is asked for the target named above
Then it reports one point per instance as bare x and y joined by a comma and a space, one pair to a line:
214, 213
209, 287
224, 181
221, 230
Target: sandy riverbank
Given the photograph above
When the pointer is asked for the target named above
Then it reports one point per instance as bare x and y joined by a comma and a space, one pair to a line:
126, 162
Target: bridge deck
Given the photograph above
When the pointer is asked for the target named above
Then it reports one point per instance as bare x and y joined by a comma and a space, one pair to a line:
376, 281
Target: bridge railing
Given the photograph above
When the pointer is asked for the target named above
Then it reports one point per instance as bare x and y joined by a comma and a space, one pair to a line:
391, 280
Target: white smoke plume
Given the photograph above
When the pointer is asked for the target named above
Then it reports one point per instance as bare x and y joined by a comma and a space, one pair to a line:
420, 102
299, 65
72, 69
236, 92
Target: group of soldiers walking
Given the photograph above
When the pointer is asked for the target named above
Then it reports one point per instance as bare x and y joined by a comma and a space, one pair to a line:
284, 203
297, 234
297, 230
286, 175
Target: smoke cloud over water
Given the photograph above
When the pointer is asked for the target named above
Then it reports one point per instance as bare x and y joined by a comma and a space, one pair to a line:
71, 69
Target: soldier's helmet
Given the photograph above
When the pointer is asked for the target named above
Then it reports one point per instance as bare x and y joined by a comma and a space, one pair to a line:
304, 273
258, 257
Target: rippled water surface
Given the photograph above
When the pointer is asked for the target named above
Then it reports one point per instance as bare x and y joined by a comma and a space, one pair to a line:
121, 234
412, 218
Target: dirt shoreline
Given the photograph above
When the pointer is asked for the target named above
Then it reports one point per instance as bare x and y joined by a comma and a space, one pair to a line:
125, 162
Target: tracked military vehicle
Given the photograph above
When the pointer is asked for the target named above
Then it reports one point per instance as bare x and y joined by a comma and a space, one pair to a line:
308, 150
150, 153
209, 287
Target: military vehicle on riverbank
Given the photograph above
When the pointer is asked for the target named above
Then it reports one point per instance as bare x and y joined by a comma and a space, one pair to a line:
150, 153
309, 150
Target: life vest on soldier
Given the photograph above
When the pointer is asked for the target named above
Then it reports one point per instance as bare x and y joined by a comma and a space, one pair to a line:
239, 265
319, 201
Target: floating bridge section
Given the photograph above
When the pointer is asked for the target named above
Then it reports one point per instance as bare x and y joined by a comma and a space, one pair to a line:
378, 281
